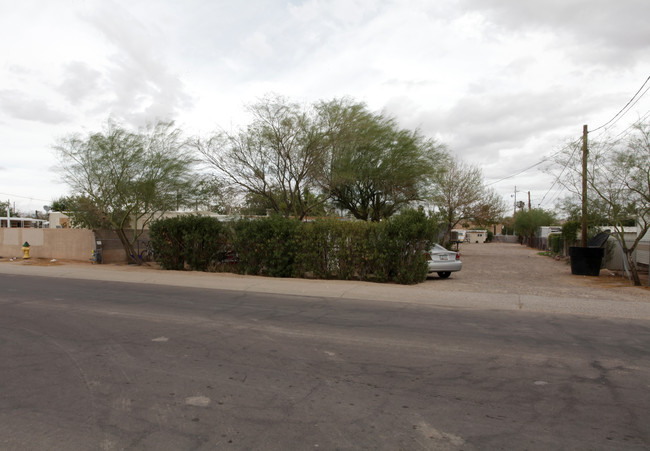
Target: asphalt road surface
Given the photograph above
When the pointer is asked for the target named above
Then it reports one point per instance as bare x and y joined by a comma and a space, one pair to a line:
92, 365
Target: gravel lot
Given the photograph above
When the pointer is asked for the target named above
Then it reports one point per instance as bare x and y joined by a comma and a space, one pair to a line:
516, 269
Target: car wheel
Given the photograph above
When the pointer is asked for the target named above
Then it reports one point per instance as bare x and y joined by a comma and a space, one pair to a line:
444, 274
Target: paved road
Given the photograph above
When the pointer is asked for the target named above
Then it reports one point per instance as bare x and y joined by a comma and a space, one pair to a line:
105, 365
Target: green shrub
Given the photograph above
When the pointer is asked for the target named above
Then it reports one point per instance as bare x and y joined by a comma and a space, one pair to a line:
556, 243
266, 246
570, 232
166, 237
404, 239
392, 250
205, 242
331, 248
197, 241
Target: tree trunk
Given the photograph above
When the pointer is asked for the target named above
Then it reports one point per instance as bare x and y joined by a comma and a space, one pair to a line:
131, 255
629, 256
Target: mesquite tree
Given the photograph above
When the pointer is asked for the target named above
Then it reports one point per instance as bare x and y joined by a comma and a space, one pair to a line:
122, 180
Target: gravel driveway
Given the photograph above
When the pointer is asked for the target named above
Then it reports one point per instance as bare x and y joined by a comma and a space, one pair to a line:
516, 269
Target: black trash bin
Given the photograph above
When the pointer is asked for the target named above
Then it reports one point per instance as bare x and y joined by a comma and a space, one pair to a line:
586, 261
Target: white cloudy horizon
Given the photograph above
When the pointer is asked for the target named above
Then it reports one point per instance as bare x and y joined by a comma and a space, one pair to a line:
502, 84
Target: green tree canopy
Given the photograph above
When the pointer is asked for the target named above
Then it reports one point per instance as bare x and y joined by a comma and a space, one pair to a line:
6, 207
376, 167
460, 195
296, 158
278, 156
122, 179
528, 221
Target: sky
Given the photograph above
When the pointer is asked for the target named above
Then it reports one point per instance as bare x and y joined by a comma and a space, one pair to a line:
503, 84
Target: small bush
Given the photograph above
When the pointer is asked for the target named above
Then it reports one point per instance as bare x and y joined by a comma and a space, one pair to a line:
266, 246
205, 242
198, 241
570, 231
166, 237
556, 243
405, 239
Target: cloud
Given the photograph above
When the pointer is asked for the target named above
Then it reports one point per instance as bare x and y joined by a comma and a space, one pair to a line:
335, 14
503, 131
257, 45
80, 82
501, 82
137, 85
20, 105
590, 30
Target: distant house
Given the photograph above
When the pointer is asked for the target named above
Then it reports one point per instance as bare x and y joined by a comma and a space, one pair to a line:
614, 258
58, 220
458, 235
21, 223
545, 231
476, 236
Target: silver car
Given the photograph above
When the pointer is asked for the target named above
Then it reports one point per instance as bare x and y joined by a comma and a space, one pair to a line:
442, 261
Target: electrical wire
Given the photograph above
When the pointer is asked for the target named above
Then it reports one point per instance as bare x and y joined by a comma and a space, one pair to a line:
633, 101
631, 126
552, 185
606, 129
575, 149
558, 190
623, 133
520, 172
25, 197
629, 104
543, 160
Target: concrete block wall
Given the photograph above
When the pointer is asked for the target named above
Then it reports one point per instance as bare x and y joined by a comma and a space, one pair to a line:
65, 244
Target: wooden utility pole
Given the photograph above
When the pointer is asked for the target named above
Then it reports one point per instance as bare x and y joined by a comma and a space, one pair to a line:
514, 213
530, 239
585, 153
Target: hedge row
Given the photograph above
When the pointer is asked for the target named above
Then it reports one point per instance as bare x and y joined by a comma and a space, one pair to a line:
193, 241
391, 250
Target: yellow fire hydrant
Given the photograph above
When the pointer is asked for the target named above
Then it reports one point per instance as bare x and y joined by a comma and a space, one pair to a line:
26, 250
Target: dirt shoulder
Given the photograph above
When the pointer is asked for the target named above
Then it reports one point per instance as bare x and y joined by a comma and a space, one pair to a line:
495, 276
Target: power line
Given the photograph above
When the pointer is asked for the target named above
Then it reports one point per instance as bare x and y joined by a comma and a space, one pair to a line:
543, 160
633, 101
516, 174
621, 113
628, 106
25, 197
562, 172
626, 131
633, 123
556, 194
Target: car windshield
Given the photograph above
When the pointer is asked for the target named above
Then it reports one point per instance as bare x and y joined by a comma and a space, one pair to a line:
438, 248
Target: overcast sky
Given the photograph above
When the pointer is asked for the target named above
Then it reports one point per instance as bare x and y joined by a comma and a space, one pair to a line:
502, 83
